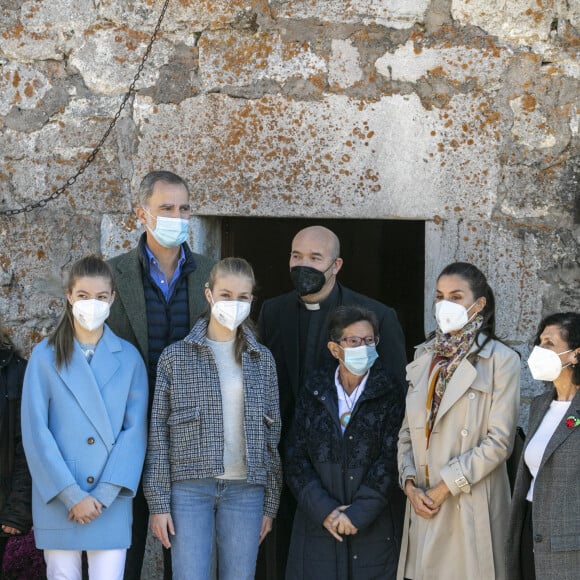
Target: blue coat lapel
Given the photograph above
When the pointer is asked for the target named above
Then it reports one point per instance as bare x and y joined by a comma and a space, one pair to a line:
103, 365
85, 385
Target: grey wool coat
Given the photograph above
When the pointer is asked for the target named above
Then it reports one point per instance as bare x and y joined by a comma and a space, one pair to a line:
556, 503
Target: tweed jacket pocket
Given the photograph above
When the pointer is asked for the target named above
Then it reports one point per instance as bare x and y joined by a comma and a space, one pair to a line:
567, 543
185, 433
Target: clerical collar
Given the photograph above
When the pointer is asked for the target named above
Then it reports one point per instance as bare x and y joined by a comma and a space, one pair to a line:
329, 303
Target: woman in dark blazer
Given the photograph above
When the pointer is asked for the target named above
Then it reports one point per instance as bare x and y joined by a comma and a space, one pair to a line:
341, 462
543, 542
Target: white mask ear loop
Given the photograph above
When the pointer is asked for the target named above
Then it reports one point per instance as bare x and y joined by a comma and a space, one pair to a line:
474, 315
566, 352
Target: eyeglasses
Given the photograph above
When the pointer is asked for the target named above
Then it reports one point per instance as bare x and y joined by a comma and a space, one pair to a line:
354, 341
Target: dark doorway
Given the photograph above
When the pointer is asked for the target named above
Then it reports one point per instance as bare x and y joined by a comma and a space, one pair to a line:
383, 259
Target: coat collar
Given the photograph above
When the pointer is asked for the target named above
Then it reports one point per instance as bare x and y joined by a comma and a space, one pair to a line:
322, 382
562, 431
290, 330
485, 352
131, 267
321, 385
462, 379
86, 382
189, 264
198, 335
130, 293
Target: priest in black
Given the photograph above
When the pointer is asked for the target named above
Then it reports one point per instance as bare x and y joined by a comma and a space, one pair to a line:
294, 326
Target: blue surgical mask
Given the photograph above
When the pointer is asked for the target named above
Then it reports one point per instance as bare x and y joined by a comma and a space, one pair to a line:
170, 232
360, 359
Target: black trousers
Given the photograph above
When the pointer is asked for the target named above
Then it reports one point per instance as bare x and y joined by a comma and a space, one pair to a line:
527, 565
3, 542
136, 553
273, 553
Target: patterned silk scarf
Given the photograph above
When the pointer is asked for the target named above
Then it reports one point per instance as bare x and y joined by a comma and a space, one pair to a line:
449, 351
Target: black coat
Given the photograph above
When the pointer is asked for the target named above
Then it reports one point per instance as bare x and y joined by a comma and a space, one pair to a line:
325, 469
15, 482
278, 326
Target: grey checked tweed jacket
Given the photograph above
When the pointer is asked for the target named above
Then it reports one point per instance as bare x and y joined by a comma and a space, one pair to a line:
186, 431
556, 505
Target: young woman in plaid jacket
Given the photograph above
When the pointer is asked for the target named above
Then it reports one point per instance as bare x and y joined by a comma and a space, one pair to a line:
212, 464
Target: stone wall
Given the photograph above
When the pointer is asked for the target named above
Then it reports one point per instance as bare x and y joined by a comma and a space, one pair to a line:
462, 113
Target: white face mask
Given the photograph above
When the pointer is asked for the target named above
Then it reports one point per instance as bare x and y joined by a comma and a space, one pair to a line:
451, 316
91, 314
230, 313
545, 365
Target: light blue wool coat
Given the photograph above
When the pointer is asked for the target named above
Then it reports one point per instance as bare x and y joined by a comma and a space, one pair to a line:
84, 424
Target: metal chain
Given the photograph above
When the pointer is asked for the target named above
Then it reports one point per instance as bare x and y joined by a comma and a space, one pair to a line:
71, 180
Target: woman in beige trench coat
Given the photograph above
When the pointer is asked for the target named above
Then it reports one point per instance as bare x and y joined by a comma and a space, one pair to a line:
461, 414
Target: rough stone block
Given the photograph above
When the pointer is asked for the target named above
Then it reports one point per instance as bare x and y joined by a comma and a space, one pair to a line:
234, 58
540, 193
519, 20
511, 254
459, 64
55, 153
345, 65
530, 127
392, 13
21, 86
197, 15
46, 29
109, 56
43, 245
337, 157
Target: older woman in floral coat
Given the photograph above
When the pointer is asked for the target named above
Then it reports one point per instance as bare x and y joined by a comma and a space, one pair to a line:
341, 460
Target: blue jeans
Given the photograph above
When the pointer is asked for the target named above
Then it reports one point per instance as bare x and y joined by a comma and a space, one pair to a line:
233, 511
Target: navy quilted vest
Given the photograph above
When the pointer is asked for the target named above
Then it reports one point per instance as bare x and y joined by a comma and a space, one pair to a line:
167, 321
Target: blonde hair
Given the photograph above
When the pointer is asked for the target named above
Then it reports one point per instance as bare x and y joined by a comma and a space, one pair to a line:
234, 267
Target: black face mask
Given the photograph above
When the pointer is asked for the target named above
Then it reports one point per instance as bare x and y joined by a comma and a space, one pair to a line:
307, 280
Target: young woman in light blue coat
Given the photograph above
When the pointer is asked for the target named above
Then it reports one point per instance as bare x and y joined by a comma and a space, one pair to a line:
84, 408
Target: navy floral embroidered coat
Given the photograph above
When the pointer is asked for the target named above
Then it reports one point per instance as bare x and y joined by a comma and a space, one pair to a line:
325, 469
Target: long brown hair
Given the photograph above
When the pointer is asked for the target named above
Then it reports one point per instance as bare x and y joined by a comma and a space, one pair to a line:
235, 267
478, 285
62, 337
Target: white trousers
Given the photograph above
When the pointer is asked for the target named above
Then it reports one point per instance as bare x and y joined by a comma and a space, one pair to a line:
103, 564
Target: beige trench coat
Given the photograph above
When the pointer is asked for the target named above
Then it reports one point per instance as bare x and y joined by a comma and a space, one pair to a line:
471, 439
